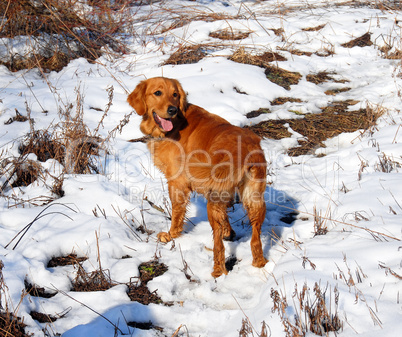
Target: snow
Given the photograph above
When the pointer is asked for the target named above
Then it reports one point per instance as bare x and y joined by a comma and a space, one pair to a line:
362, 205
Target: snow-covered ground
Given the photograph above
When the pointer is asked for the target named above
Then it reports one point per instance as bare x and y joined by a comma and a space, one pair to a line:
360, 256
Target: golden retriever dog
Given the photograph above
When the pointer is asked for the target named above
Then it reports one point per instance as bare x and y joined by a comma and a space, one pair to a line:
201, 152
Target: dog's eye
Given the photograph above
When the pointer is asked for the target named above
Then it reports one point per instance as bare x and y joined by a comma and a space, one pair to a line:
175, 94
158, 93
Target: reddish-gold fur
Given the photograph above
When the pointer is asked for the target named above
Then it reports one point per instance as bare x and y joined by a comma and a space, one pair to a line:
206, 154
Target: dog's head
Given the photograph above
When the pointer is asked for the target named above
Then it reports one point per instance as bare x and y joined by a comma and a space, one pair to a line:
161, 102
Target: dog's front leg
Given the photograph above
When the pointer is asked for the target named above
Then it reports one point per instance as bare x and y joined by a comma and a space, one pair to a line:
179, 197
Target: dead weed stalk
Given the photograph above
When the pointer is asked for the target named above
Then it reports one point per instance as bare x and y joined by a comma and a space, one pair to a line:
69, 142
10, 324
97, 280
310, 314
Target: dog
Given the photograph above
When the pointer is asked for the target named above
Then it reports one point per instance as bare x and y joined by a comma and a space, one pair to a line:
201, 152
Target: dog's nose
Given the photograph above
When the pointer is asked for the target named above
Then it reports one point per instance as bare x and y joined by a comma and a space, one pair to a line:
172, 110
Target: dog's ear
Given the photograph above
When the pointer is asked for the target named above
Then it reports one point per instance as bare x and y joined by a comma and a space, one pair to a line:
137, 98
183, 97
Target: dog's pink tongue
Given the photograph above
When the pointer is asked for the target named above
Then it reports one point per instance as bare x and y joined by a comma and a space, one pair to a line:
167, 125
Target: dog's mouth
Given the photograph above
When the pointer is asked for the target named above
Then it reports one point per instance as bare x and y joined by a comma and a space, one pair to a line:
164, 123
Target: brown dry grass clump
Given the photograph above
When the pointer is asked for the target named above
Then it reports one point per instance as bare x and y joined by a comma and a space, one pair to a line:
260, 60
333, 92
314, 29
282, 77
312, 315
277, 75
97, 280
319, 78
62, 34
71, 259
316, 128
272, 129
391, 55
44, 145
283, 100
10, 324
362, 41
187, 55
24, 173
319, 127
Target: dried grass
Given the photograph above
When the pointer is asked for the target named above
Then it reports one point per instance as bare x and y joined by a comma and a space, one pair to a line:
361, 41
10, 324
273, 129
316, 128
319, 78
61, 33
71, 259
183, 19
187, 55
261, 60
312, 315
282, 77
70, 142
97, 280
314, 29
283, 100
391, 55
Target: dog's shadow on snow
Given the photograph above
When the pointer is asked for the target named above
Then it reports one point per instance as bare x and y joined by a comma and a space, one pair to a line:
281, 213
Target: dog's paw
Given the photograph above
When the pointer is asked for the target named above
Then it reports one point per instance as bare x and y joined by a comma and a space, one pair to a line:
164, 237
218, 271
260, 262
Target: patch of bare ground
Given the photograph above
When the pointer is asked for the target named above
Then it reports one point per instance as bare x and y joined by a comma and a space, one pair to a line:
144, 326
256, 113
361, 41
36, 291
316, 128
138, 290
59, 261
323, 76
42, 318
